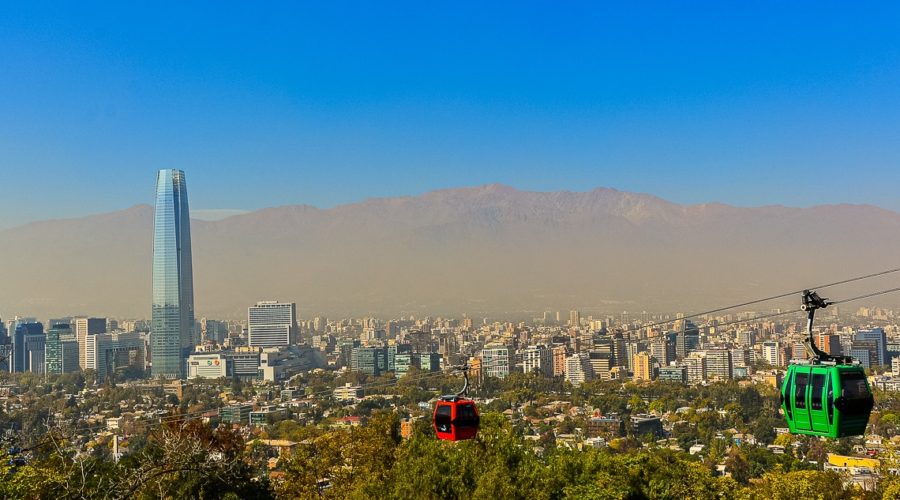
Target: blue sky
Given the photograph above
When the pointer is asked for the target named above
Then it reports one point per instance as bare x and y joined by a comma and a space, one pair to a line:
333, 102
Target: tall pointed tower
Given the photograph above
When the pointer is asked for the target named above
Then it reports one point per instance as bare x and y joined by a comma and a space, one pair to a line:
172, 319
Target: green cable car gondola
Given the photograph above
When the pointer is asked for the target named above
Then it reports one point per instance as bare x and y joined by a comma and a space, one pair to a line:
827, 396
833, 401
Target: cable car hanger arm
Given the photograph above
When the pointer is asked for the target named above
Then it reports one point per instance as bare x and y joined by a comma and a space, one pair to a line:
465, 370
811, 302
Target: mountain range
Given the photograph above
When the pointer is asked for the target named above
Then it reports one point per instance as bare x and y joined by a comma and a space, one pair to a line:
487, 250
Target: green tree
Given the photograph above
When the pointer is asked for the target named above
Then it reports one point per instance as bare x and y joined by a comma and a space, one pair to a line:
800, 484
737, 464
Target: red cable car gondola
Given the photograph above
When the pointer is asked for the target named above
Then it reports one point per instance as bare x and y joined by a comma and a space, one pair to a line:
456, 417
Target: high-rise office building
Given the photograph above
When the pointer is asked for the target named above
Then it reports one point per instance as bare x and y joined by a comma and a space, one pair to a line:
83, 328
642, 364
688, 338
393, 351
771, 353
620, 349
108, 352
601, 364
27, 339
605, 345
369, 360
578, 369
719, 364
495, 360
574, 318
630, 349
214, 331
537, 358
272, 324
402, 362
695, 365
5, 347
830, 344
421, 341
429, 361
798, 351
35, 344
559, 360
746, 338
54, 322
874, 340
447, 343
662, 350
863, 354
61, 350
741, 357
172, 330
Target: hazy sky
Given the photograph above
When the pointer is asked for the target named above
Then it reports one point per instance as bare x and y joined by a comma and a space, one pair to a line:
333, 102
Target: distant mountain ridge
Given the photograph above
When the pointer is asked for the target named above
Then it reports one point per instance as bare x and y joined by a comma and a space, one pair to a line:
483, 250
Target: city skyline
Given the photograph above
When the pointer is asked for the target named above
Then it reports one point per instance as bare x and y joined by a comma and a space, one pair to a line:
630, 250
327, 105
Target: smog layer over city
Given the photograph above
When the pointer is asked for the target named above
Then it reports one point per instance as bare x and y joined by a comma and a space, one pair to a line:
417, 250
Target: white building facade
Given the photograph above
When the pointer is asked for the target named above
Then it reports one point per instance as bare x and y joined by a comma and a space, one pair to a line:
272, 324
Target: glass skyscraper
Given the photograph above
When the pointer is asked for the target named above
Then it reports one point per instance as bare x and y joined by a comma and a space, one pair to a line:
61, 350
172, 327
28, 348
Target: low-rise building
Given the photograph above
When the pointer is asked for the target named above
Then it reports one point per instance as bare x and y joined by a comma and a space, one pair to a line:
280, 363
211, 366
673, 374
236, 414
646, 424
290, 393
114, 424
887, 383
857, 471
608, 427
267, 415
348, 392
350, 421
244, 362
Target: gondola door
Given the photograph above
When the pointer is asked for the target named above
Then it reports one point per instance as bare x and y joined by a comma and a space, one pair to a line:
800, 398
818, 410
